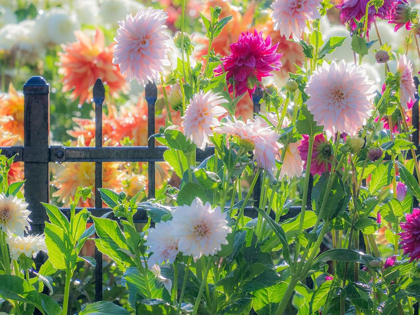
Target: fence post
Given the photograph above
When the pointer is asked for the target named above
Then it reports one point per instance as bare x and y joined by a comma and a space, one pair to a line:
36, 144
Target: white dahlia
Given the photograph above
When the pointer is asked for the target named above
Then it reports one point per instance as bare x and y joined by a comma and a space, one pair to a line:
29, 245
14, 217
201, 229
292, 162
201, 115
141, 48
340, 97
406, 81
162, 243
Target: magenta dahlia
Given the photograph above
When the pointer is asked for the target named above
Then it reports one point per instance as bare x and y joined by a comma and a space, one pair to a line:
390, 262
321, 154
410, 237
252, 59
401, 15
357, 9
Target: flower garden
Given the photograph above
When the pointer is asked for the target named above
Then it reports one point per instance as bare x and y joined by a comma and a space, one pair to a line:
288, 181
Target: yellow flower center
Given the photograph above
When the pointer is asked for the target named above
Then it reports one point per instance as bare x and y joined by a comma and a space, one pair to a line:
201, 229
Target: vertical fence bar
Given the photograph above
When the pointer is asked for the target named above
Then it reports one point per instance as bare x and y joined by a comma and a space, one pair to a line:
98, 99
256, 97
151, 96
36, 143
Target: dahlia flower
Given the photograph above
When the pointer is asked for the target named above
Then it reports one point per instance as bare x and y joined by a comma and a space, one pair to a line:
340, 97
11, 112
14, 217
292, 163
257, 136
401, 15
390, 262
329, 278
167, 283
201, 115
201, 230
401, 191
321, 154
29, 245
410, 236
291, 16
162, 243
252, 58
357, 9
141, 48
84, 61
405, 79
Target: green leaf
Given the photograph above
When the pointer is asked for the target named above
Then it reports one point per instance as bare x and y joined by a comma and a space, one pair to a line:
61, 249
265, 301
366, 225
344, 255
332, 43
306, 124
319, 298
316, 39
14, 188
278, 230
308, 49
49, 305
177, 160
57, 217
392, 211
207, 180
155, 211
112, 241
47, 269
103, 308
381, 177
78, 224
206, 23
220, 25
358, 44
267, 278
177, 140
189, 192
144, 284
398, 145
110, 197
409, 180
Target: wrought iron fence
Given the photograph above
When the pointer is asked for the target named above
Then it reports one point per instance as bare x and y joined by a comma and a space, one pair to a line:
36, 153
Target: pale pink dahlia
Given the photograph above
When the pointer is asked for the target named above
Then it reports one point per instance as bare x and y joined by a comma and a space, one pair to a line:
291, 16
292, 163
410, 237
356, 9
255, 135
252, 59
141, 49
201, 115
404, 76
401, 191
162, 243
401, 15
340, 97
201, 230
322, 154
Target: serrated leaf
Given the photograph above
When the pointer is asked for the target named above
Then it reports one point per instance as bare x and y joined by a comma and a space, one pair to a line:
381, 177
358, 44
110, 197
103, 308
220, 25
308, 49
409, 180
332, 43
144, 284
306, 124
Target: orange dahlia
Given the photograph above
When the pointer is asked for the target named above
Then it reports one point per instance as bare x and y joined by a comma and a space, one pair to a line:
11, 113
16, 169
82, 62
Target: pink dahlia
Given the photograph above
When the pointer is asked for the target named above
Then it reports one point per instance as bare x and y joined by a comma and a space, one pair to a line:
162, 243
292, 162
356, 9
321, 154
340, 97
410, 237
201, 115
291, 17
390, 262
401, 191
401, 15
405, 79
257, 136
252, 59
141, 49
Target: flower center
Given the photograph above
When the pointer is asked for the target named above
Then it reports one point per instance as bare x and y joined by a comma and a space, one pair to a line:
338, 96
5, 215
201, 230
143, 42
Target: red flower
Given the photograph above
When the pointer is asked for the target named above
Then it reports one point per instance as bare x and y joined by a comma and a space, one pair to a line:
410, 237
252, 58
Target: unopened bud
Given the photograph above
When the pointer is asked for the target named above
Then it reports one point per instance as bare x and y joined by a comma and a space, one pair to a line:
175, 97
375, 154
382, 56
401, 191
251, 82
355, 144
291, 86
188, 46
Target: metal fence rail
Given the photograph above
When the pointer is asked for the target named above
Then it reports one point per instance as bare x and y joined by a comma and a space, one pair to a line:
36, 153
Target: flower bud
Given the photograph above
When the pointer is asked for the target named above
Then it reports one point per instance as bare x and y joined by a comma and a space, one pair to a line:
291, 86
375, 264
382, 56
375, 154
390, 262
188, 46
401, 191
355, 144
175, 97
402, 13
246, 145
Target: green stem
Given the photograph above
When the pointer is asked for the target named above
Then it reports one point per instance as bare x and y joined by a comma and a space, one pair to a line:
251, 189
287, 295
67, 291
174, 296
5, 253
208, 53
166, 99
184, 284
203, 284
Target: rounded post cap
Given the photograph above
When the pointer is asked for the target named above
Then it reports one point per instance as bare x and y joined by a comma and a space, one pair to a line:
36, 85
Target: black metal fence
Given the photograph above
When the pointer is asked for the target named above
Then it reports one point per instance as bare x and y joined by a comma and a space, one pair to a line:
36, 153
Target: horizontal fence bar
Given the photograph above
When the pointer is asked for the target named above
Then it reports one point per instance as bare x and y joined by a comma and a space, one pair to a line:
108, 154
